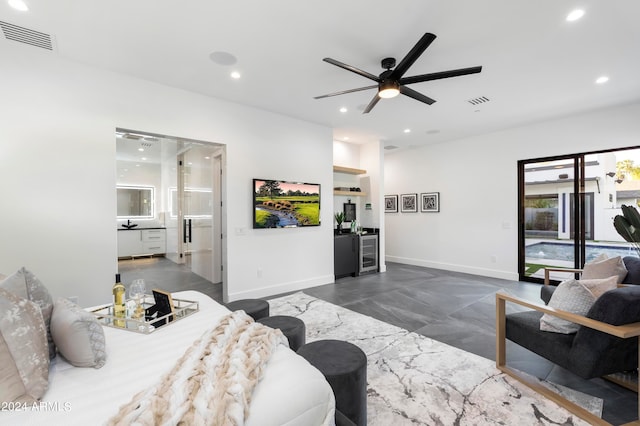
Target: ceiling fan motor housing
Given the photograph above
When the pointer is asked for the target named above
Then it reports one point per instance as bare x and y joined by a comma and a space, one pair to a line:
388, 63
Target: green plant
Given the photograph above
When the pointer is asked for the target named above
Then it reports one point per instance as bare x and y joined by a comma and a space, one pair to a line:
339, 216
628, 225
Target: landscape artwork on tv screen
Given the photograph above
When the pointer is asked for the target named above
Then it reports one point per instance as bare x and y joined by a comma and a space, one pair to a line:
282, 204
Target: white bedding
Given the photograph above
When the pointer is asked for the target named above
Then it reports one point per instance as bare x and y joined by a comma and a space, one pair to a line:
291, 392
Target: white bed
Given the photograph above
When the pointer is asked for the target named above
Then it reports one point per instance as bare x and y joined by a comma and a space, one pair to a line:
292, 392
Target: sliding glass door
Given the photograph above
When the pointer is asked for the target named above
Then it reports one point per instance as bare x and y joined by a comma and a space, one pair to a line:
550, 215
566, 209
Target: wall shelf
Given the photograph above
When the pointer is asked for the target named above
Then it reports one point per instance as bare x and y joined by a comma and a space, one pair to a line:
354, 193
348, 170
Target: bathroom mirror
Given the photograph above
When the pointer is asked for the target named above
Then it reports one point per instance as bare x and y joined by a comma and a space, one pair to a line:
135, 202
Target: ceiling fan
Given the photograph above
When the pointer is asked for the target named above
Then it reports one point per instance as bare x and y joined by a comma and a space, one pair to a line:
391, 82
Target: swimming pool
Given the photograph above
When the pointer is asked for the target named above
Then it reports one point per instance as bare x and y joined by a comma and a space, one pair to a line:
562, 251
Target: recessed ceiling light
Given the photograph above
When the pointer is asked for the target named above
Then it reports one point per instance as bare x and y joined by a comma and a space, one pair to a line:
144, 158
575, 15
207, 158
602, 79
141, 149
346, 138
343, 109
235, 75
407, 130
19, 5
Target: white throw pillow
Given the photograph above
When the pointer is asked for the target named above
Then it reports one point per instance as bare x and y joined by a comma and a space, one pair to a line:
570, 296
24, 357
604, 268
78, 335
23, 283
599, 287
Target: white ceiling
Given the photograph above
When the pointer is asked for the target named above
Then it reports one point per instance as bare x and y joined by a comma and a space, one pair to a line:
535, 64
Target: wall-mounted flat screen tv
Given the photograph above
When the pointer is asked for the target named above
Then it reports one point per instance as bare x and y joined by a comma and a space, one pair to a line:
282, 204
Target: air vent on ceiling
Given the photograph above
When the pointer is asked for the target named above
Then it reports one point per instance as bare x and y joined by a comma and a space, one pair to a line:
389, 147
146, 144
26, 36
479, 100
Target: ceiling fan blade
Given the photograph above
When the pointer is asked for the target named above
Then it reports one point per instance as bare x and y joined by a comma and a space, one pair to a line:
416, 95
373, 103
439, 75
345, 92
352, 69
412, 56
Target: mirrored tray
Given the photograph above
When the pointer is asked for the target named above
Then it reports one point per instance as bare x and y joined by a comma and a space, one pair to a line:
181, 309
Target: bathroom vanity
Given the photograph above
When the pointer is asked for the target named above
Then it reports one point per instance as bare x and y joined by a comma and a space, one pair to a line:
141, 242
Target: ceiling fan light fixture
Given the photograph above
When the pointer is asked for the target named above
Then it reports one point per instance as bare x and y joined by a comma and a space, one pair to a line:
389, 89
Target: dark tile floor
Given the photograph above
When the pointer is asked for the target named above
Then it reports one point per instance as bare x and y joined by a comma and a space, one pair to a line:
162, 273
454, 308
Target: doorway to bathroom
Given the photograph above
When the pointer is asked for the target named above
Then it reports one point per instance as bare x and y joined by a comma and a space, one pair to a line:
182, 179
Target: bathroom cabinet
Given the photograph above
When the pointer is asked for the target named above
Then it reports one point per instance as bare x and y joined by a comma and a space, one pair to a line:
141, 242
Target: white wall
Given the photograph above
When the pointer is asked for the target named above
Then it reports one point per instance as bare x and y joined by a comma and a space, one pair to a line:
57, 175
475, 231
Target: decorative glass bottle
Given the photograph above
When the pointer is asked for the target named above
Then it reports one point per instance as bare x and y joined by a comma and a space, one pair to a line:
119, 307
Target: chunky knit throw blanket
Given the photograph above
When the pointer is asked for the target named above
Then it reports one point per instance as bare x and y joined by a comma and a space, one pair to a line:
213, 381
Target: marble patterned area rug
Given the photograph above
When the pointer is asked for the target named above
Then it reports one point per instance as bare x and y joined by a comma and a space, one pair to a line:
415, 380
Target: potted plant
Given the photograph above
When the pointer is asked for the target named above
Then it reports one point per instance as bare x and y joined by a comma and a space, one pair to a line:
628, 225
339, 216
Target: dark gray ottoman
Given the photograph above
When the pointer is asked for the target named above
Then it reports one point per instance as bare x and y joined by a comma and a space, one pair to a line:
293, 328
344, 365
255, 308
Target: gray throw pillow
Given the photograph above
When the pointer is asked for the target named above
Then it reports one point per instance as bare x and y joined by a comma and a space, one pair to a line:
606, 268
26, 285
24, 358
78, 335
570, 296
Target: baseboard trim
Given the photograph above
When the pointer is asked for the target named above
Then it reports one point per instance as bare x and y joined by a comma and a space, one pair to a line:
280, 288
485, 272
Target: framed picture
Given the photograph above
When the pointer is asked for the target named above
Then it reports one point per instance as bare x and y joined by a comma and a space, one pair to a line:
430, 202
409, 203
349, 210
162, 311
391, 204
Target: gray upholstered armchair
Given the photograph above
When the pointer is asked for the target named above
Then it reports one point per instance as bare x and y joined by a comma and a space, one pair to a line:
606, 342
